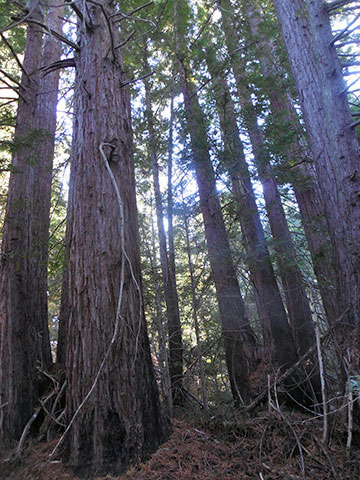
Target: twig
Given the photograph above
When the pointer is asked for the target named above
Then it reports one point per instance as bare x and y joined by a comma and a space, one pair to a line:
350, 419
325, 436
335, 475
302, 463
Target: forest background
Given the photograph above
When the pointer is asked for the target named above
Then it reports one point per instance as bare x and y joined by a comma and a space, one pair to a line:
245, 157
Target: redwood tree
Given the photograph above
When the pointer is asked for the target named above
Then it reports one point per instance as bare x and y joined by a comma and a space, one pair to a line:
24, 336
113, 410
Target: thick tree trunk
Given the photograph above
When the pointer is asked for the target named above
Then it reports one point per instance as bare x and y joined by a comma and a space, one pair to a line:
276, 329
168, 277
24, 343
112, 398
322, 93
302, 175
295, 296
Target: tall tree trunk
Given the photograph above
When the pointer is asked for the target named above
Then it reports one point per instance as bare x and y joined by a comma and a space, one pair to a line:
295, 296
195, 305
112, 399
302, 175
236, 330
24, 339
276, 328
168, 277
322, 93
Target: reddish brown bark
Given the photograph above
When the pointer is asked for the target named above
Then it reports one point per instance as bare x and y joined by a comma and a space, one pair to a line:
302, 174
295, 295
24, 343
322, 93
108, 357
276, 330
237, 333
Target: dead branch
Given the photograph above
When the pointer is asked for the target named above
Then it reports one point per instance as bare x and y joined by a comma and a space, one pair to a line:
133, 80
66, 63
25, 432
10, 77
338, 4
346, 31
132, 33
292, 369
326, 453
56, 34
4, 39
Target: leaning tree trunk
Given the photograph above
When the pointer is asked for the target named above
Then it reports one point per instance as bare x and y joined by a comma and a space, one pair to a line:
112, 398
302, 175
322, 93
276, 328
168, 277
295, 296
24, 339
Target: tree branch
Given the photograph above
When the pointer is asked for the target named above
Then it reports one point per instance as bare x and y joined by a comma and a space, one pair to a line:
56, 35
337, 4
4, 39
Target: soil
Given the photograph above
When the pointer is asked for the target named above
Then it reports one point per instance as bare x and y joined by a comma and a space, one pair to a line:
265, 447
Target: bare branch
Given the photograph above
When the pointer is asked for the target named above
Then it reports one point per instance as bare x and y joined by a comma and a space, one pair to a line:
345, 32
127, 40
75, 8
337, 4
355, 124
137, 79
56, 34
10, 77
66, 63
4, 39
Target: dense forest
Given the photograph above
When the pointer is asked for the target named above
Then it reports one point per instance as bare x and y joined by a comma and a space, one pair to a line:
180, 239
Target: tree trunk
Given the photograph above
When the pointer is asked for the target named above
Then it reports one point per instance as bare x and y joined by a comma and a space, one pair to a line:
24, 343
112, 398
195, 305
236, 330
276, 329
322, 93
302, 175
295, 296
168, 277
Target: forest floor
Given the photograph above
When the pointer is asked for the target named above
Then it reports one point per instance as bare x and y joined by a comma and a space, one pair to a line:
270, 446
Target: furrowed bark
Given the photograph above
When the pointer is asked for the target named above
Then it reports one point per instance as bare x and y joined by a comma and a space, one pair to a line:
112, 399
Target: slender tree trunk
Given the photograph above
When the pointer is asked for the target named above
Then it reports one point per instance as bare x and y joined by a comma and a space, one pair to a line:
236, 330
171, 298
302, 176
295, 296
276, 329
195, 305
322, 93
24, 338
112, 398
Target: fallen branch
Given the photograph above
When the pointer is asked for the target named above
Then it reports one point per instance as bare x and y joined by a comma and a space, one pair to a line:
292, 369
